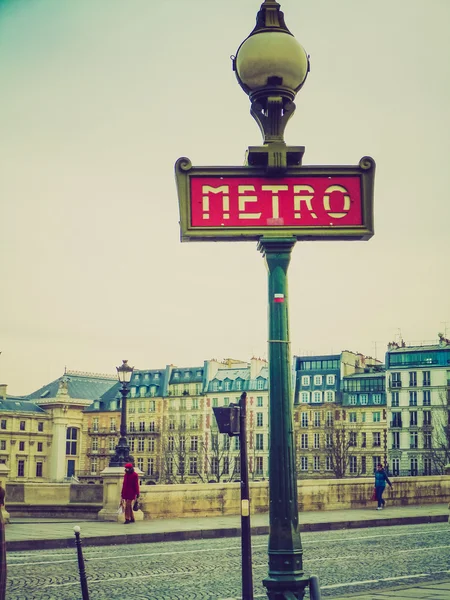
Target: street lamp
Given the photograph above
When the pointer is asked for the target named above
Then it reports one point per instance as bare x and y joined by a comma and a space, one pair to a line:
271, 66
122, 454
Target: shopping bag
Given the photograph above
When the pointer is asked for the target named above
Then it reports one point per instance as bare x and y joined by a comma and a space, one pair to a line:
374, 494
120, 509
136, 505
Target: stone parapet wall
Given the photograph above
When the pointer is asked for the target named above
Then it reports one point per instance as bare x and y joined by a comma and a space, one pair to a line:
202, 500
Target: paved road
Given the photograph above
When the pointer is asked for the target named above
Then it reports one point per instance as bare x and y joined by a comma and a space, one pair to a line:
346, 561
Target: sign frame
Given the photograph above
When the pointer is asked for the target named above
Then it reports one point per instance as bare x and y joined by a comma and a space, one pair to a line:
365, 170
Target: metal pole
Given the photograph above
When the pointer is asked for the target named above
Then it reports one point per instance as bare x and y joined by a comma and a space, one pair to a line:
83, 580
246, 544
122, 454
286, 578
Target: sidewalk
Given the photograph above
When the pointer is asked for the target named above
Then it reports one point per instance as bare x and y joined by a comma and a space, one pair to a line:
426, 591
37, 534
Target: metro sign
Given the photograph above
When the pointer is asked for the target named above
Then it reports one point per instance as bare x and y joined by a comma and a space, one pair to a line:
307, 202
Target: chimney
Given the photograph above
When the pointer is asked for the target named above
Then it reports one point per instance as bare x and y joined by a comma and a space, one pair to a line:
3, 387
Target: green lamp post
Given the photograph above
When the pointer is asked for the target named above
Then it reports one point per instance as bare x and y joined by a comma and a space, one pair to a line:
271, 66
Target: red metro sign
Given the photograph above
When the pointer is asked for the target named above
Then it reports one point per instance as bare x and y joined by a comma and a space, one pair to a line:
243, 203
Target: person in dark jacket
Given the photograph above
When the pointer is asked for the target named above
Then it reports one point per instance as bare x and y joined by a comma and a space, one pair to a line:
130, 491
381, 479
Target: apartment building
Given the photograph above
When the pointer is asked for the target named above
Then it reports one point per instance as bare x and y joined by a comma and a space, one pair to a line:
418, 380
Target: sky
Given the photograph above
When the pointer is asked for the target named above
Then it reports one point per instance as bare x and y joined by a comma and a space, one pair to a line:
99, 98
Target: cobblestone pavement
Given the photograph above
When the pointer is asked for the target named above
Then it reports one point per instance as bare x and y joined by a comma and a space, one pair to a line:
347, 561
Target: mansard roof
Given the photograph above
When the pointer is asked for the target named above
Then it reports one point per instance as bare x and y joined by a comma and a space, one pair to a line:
79, 385
19, 405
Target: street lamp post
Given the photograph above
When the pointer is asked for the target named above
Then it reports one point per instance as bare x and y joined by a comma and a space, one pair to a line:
271, 66
122, 454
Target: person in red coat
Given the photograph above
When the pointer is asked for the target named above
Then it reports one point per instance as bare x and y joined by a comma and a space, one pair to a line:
130, 491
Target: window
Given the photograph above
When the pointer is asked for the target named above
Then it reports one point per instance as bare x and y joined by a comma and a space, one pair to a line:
22, 426
304, 440
316, 464
427, 440
151, 445
259, 441
172, 424
3, 424
328, 463
427, 417
328, 440
363, 439
71, 441
317, 397
427, 397
376, 417
352, 399
413, 439
396, 419
329, 419
305, 380
215, 402
395, 466
317, 441
413, 418
427, 465
169, 463
182, 403
131, 441
394, 399
2, 444
363, 465
396, 380
426, 378
376, 439
376, 398
353, 465
182, 443
376, 460
305, 397
239, 384
141, 442
132, 427
237, 443
150, 466
331, 379
413, 378
364, 398
352, 441
20, 468
94, 444
112, 443
193, 465
140, 464
194, 421
152, 426
39, 446
304, 420
413, 398
304, 463
414, 470
352, 417
363, 417
40, 426
260, 384
237, 464
259, 401
171, 443
259, 465
329, 396
226, 465
316, 418
259, 419
194, 443
142, 426
21, 446
152, 406
395, 440
317, 379
112, 425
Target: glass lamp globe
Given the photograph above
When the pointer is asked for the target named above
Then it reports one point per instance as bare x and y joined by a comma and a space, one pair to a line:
271, 54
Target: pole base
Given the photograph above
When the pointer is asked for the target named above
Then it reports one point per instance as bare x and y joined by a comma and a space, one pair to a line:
286, 587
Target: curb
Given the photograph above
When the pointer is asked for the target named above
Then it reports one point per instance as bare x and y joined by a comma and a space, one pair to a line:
202, 534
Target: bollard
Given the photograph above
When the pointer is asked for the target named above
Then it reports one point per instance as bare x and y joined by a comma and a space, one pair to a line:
83, 581
314, 588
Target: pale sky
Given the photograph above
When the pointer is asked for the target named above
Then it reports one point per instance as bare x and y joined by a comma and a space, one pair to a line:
98, 99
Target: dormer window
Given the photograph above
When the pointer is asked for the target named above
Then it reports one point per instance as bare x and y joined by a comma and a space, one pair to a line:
176, 375
227, 385
156, 376
187, 374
